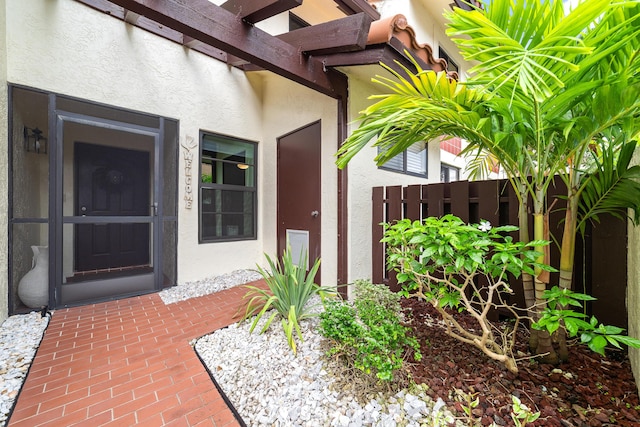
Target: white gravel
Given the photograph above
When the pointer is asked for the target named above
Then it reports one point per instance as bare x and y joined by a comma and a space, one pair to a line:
208, 286
266, 383
20, 336
270, 386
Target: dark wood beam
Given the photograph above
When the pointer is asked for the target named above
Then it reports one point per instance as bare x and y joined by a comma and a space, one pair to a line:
340, 35
391, 54
221, 29
131, 17
190, 41
239, 62
357, 6
253, 11
118, 12
466, 4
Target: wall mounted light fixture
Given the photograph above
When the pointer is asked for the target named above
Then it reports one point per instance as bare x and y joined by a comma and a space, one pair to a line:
243, 166
34, 141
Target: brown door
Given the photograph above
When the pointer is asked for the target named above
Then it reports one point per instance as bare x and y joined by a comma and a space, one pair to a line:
299, 184
111, 182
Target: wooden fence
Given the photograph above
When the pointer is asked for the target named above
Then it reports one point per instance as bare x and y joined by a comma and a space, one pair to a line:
600, 268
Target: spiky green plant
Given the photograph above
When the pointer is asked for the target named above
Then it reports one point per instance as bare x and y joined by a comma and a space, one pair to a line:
290, 288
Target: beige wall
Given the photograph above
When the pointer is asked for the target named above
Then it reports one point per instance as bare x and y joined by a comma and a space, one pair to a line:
363, 175
4, 197
302, 106
87, 54
633, 290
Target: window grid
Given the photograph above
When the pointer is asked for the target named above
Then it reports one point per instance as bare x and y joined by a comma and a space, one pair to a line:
227, 196
412, 161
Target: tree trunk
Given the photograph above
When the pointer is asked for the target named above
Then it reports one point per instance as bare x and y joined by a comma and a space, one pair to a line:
567, 258
527, 279
544, 344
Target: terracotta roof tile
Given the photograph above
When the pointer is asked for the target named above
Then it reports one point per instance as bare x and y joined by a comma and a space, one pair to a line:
383, 30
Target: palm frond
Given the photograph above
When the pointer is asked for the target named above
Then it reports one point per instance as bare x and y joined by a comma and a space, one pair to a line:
524, 48
613, 187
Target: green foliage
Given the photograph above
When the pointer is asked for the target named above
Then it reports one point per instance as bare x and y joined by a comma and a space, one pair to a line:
614, 186
596, 336
207, 177
449, 246
521, 414
469, 402
290, 288
442, 260
368, 331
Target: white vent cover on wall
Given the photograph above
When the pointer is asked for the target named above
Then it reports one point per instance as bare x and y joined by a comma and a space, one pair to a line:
299, 242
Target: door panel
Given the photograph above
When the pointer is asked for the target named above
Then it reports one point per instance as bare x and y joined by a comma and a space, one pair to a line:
111, 182
299, 184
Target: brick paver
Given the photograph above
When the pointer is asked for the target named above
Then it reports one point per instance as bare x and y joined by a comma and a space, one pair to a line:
127, 362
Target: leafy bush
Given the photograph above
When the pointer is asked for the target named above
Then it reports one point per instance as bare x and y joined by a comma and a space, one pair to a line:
368, 333
455, 265
290, 288
595, 336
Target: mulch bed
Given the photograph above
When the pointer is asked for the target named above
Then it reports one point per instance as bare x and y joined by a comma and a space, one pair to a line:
589, 391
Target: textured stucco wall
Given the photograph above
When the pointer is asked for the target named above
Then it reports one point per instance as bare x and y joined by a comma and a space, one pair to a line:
4, 278
303, 106
87, 54
633, 290
363, 175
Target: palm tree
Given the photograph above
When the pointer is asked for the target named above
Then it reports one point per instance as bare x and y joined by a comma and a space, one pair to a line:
547, 88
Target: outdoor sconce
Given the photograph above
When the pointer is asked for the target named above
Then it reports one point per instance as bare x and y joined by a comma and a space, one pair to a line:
34, 141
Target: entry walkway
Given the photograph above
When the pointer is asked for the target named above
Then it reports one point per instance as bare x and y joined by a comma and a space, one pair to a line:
127, 362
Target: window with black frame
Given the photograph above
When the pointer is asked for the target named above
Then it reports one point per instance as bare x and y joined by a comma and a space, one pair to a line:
451, 66
227, 188
412, 161
449, 173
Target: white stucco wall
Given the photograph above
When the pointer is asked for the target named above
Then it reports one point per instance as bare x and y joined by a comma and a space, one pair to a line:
87, 54
363, 176
302, 106
4, 197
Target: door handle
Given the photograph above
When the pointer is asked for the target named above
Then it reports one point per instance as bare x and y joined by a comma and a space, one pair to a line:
83, 209
155, 209
315, 214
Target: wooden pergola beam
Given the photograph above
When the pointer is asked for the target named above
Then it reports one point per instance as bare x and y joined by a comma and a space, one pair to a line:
385, 53
341, 35
253, 11
202, 20
357, 6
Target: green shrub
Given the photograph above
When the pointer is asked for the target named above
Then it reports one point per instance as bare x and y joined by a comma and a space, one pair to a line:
368, 333
290, 288
453, 265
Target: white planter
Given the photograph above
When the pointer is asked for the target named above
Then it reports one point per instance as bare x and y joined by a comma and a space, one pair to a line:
33, 288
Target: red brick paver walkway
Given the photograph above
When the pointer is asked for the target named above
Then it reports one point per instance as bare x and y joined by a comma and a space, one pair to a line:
127, 362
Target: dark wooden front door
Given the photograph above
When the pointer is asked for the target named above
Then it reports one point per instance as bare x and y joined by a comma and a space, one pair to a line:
111, 182
299, 189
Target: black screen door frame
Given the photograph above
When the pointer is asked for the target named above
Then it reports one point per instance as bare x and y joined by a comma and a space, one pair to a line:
58, 119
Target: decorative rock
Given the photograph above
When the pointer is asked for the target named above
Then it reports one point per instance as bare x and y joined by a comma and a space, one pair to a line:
267, 384
19, 338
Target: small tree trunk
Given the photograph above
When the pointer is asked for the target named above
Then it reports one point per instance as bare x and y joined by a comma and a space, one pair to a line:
527, 279
544, 344
567, 258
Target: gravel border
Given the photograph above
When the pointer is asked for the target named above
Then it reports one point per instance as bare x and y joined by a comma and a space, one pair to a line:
267, 383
